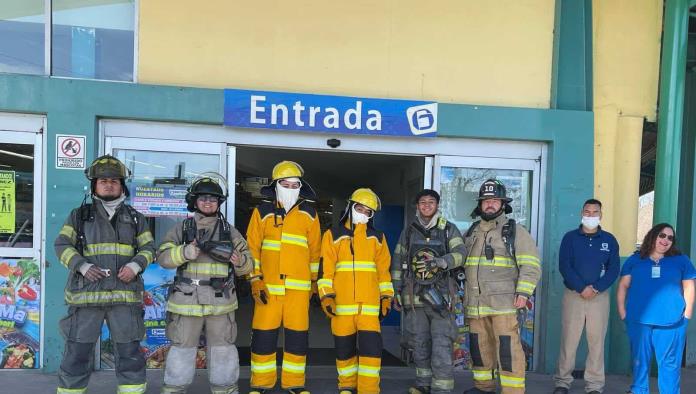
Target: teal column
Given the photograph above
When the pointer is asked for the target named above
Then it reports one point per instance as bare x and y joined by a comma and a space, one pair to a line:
571, 89
671, 110
571, 84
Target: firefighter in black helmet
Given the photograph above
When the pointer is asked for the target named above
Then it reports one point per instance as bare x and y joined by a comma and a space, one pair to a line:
105, 245
207, 253
502, 270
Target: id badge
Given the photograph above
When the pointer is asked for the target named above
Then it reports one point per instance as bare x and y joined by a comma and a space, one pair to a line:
655, 272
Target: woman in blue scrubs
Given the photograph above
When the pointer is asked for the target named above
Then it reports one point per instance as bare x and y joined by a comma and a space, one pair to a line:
655, 299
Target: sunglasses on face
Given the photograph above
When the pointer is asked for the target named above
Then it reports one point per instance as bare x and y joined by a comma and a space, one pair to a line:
663, 236
207, 198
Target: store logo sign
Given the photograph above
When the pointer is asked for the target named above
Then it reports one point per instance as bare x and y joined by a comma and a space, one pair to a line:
422, 119
332, 114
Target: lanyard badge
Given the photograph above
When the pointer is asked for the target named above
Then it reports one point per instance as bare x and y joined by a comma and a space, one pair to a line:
655, 272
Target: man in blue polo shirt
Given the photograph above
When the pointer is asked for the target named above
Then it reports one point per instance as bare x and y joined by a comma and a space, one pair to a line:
589, 263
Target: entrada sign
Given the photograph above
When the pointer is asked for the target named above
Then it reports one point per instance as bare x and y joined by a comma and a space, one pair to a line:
333, 114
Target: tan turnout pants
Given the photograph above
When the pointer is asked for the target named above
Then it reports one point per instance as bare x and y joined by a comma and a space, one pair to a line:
496, 350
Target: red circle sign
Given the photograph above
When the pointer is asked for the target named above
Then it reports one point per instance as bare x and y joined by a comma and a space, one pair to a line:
70, 147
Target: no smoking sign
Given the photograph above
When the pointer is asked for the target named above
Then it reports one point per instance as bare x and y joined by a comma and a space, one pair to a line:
70, 151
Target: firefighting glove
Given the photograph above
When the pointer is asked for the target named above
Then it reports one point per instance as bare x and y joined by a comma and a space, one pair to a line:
191, 251
423, 266
259, 291
328, 305
314, 298
385, 307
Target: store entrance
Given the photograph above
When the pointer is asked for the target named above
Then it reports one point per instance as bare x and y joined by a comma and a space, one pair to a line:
334, 175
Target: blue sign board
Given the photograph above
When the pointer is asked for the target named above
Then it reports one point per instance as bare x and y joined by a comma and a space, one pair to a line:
332, 114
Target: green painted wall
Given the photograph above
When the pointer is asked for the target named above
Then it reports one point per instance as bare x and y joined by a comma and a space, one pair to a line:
75, 106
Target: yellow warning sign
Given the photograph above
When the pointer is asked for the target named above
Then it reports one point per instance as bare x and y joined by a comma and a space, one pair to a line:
7, 202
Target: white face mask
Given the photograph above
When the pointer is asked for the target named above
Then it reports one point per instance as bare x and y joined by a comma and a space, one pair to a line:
287, 197
359, 218
591, 222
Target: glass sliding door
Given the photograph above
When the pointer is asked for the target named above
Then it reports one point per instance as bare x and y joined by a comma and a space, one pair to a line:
161, 172
458, 180
20, 249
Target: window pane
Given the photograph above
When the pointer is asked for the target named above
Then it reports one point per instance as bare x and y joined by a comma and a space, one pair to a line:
16, 195
93, 39
459, 188
22, 36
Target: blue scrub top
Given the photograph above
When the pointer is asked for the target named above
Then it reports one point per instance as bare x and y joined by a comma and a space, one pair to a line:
656, 301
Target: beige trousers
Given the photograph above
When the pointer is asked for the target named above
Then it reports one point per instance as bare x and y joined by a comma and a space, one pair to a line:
496, 352
593, 316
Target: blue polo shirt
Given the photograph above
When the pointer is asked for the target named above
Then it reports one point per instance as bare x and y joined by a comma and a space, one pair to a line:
588, 259
657, 301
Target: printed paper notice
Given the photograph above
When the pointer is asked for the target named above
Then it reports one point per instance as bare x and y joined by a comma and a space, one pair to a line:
7, 202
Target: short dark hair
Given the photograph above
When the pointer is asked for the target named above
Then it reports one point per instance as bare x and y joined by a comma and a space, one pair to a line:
649, 241
592, 201
428, 192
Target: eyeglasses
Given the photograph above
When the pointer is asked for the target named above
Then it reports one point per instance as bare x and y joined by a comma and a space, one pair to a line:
207, 198
663, 236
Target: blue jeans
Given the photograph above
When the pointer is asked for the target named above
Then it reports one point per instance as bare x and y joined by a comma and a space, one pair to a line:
668, 344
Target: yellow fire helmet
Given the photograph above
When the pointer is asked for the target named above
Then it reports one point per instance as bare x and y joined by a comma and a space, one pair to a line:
287, 169
366, 197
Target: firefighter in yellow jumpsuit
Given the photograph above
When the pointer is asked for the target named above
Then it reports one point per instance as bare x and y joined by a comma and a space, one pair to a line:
284, 239
356, 292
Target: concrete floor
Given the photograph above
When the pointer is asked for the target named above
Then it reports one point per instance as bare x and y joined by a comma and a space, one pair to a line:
321, 380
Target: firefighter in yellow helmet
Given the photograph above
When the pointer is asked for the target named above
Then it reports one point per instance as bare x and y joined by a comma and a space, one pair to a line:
285, 240
356, 292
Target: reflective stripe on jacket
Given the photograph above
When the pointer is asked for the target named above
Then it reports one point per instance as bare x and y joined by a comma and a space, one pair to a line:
107, 246
285, 248
358, 281
192, 300
491, 285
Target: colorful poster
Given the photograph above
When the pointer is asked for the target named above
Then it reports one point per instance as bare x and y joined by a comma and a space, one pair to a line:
157, 282
7, 202
155, 345
20, 310
153, 201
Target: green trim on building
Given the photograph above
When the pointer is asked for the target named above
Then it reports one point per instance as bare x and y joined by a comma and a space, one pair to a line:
671, 110
571, 84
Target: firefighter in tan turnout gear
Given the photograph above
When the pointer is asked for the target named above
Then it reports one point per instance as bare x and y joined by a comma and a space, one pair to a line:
285, 240
105, 245
207, 253
502, 270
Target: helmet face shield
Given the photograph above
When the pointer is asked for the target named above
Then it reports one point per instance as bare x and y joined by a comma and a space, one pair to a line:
107, 166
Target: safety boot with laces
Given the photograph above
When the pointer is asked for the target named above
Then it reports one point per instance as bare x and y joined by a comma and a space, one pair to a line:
298, 390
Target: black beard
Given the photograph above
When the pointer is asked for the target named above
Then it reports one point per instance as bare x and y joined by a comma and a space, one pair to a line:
109, 198
490, 216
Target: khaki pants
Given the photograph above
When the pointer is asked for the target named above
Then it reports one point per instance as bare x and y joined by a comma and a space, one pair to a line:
593, 316
496, 350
